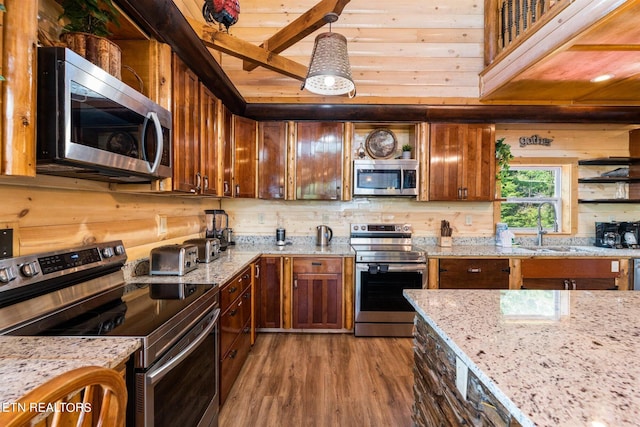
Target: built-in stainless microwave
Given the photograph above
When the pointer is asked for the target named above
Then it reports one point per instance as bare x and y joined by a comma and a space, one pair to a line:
92, 125
396, 177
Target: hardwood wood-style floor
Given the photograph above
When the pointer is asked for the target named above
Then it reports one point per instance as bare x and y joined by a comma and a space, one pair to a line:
323, 380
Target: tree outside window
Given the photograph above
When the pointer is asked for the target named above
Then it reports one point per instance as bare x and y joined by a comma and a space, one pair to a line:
525, 189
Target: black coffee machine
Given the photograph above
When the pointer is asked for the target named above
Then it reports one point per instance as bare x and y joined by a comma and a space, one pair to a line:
617, 235
629, 234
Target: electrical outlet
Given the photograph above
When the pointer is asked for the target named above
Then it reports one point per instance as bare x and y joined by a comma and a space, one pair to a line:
6, 243
468, 220
260, 218
325, 218
462, 375
615, 266
162, 225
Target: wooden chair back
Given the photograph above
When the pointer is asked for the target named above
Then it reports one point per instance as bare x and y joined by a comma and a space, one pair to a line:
88, 396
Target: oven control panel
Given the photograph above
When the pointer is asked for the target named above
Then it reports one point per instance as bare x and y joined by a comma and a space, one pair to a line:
29, 270
380, 229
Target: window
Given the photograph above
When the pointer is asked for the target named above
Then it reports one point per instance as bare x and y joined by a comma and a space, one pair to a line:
530, 192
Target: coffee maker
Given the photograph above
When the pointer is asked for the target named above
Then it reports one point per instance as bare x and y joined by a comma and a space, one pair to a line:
217, 222
608, 235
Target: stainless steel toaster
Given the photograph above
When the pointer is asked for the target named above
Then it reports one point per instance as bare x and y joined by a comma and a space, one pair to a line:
173, 260
208, 248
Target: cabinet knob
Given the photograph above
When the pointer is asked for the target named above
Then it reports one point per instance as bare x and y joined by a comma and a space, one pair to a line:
206, 183
232, 289
198, 181
474, 270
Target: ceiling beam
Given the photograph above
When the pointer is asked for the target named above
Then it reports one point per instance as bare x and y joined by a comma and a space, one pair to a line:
445, 113
297, 30
239, 48
164, 21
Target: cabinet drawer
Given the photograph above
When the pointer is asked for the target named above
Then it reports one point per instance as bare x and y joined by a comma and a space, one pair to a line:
234, 287
474, 274
317, 265
233, 360
568, 268
233, 319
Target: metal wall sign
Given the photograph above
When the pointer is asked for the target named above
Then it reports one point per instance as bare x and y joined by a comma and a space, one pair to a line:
534, 140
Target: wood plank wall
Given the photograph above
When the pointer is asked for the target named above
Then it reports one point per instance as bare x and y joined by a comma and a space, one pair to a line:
45, 218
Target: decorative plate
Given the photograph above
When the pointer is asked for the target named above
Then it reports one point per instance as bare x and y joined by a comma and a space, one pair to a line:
381, 144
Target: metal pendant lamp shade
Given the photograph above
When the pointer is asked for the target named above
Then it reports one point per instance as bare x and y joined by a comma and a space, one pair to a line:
329, 71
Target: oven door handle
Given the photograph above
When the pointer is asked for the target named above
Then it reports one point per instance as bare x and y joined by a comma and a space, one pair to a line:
392, 268
154, 377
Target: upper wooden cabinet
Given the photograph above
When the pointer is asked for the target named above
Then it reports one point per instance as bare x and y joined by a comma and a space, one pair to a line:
245, 133
186, 128
225, 151
208, 141
319, 160
272, 160
461, 162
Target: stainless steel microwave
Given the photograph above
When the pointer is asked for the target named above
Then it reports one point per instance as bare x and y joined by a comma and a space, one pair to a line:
93, 126
397, 177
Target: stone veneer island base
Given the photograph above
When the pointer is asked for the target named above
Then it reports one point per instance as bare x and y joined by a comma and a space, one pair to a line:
525, 357
437, 400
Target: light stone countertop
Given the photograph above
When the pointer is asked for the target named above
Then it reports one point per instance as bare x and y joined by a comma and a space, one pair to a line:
520, 251
27, 362
553, 358
234, 259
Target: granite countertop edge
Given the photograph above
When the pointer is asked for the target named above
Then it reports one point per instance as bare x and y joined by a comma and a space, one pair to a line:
27, 362
484, 378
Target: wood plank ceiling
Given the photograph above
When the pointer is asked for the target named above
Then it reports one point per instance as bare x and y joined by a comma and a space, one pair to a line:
401, 52
431, 52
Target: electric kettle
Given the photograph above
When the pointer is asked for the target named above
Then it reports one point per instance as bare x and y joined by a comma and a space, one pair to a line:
324, 234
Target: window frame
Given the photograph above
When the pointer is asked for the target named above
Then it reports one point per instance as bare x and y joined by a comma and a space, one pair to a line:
568, 201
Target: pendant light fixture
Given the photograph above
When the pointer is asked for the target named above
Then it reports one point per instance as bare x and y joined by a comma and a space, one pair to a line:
329, 70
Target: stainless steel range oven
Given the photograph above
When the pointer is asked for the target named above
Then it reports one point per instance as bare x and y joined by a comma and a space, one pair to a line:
82, 292
386, 263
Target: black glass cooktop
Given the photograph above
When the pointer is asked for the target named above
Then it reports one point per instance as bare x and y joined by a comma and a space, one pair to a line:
137, 313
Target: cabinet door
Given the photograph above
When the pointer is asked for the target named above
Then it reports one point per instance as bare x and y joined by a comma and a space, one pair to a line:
445, 162
466, 273
272, 160
245, 133
226, 151
317, 293
268, 295
208, 141
479, 170
186, 128
461, 162
319, 160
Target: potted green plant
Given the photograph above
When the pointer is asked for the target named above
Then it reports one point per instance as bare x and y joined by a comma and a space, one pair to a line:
503, 157
406, 151
85, 32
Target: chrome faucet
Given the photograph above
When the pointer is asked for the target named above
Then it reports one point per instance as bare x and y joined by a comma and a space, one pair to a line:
542, 231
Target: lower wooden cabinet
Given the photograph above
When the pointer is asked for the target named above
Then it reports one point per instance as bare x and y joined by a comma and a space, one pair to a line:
570, 274
235, 328
268, 293
470, 273
317, 293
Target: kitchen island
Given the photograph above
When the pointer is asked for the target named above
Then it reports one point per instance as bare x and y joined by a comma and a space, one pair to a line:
28, 362
510, 357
